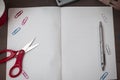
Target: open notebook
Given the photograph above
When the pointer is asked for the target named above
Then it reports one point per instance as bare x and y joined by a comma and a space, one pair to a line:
69, 42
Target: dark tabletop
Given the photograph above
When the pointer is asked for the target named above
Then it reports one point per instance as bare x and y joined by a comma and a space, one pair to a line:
36, 3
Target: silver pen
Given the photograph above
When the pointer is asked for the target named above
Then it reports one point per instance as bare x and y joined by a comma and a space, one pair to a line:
102, 49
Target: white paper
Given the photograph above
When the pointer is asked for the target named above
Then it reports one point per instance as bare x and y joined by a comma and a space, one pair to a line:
43, 62
69, 42
80, 43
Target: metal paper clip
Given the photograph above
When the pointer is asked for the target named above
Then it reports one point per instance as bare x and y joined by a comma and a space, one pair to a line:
108, 49
104, 18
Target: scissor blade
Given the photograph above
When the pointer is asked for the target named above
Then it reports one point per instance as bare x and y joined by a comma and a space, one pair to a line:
32, 47
28, 44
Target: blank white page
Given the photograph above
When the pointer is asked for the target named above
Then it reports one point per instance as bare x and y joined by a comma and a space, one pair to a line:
43, 62
80, 43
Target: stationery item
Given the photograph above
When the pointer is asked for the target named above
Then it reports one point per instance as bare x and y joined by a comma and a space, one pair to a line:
24, 21
104, 18
18, 13
69, 42
104, 76
25, 74
19, 54
102, 48
3, 15
107, 48
63, 2
16, 30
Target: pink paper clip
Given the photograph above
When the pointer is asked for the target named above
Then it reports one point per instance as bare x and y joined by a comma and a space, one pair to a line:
24, 21
18, 13
25, 74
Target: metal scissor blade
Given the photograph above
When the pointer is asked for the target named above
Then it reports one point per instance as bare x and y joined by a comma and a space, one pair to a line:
28, 44
32, 47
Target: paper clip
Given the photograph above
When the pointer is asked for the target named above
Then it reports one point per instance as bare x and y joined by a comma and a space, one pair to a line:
108, 49
18, 13
104, 76
25, 74
24, 21
16, 31
104, 17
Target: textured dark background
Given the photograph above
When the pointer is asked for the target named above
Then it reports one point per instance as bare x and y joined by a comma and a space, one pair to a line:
36, 3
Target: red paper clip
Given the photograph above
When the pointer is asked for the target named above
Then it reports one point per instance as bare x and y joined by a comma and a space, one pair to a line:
18, 13
24, 21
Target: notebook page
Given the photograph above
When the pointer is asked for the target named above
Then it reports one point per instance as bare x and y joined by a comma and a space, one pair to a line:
81, 46
43, 62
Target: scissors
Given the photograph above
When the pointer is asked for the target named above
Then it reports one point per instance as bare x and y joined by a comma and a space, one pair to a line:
18, 54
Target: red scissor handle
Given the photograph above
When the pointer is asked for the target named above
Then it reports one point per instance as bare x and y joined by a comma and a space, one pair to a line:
12, 55
17, 65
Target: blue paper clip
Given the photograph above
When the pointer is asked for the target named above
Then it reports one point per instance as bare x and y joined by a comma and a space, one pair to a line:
104, 76
16, 31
